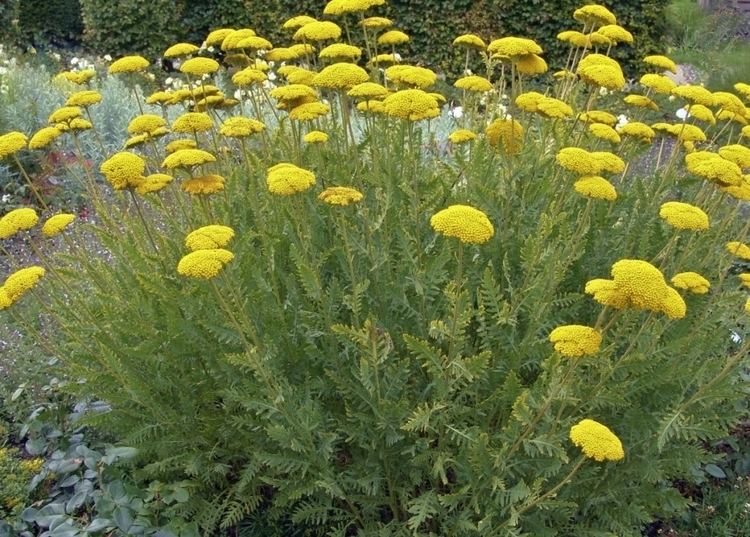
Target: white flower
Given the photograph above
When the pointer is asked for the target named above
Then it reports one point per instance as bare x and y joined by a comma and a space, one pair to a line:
457, 112
397, 56
735, 337
622, 120
681, 113
56, 56
211, 48
238, 94
168, 81
603, 91
74, 60
107, 58
672, 97
5, 198
271, 76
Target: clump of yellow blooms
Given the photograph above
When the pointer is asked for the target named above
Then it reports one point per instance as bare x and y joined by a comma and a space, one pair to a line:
340, 51
411, 104
598, 116
199, 66
691, 281
209, 237
17, 220
471, 41
188, 158
595, 187
18, 284
44, 137
11, 143
506, 134
340, 76
84, 98
129, 64
473, 83
124, 170
191, 122
204, 264
57, 223
410, 75
583, 162
153, 183
739, 154
576, 340
637, 284
318, 31
285, 179
658, 83
639, 130
662, 62
601, 70
393, 37
341, 7
739, 249
596, 441
145, 123
204, 185
460, 136
714, 167
315, 137
605, 132
694, 94
340, 195
240, 127
684, 216
467, 224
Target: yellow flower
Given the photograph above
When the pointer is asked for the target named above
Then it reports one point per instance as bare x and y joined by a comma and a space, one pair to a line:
176, 145
596, 441
254, 42
340, 51
84, 98
11, 143
43, 137
745, 279
694, 94
553, 108
248, 77
512, 47
739, 154
181, 49
340, 195
605, 132
641, 101
205, 184
191, 122
209, 238
187, 158
461, 136
124, 170
318, 31
529, 101
662, 62
412, 105
382, 59
5, 302
583, 162
687, 133
280, 54
145, 123
470, 40
639, 285
576, 340
616, 34
730, 102
129, 64
467, 224
376, 23
285, 179
199, 66
393, 37
309, 111
594, 15
341, 7
233, 38
702, 113
598, 116
473, 83
315, 137
565, 74
301, 50
367, 90
32, 466
741, 191
239, 127
17, 220
204, 264
376, 107
714, 168
658, 83
57, 223
340, 76
301, 76
684, 216
506, 134
596, 187
639, 130
739, 249
65, 114
297, 22
294, 92
154, 183
77, 77
726, 115
531, 64
21, 281
410, 75
691, 281
601, 70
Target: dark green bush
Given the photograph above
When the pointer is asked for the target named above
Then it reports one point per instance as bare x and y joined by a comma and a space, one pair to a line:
54, 21
130, 26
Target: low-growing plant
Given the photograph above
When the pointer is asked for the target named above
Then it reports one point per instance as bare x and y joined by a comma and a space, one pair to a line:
346, 305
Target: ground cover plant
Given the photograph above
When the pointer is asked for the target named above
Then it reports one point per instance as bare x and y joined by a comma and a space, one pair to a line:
343, 305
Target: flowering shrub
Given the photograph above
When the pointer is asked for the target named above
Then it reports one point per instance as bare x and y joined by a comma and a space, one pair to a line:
318, 302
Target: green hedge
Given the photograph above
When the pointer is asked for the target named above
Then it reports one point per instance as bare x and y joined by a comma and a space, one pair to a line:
56, 22
131, 26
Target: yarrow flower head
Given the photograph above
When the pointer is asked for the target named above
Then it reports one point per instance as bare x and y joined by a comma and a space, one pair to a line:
684, 216
340, 76
11, 143
739, 249
129, 64
340, 195
199, 66
56, 224
583, 162
412, 105
393, 37
124, 170
637, 284
154, 183
692, 282
318, 31
209, 237
473, 83
662, 62
576, 340
204, 264
342, 7
44, 137
714, 168
461, 136
181, 49
601, 70
145, 124
187, 158
467, 224
17, 220
285, 179
596, 441
506, 134
411, 75
204, 185
595, 187
84, 98
240, 127
315, 137
21, 281
513, 47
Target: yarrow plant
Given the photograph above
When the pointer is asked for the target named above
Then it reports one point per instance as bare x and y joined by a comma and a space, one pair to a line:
339, 305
